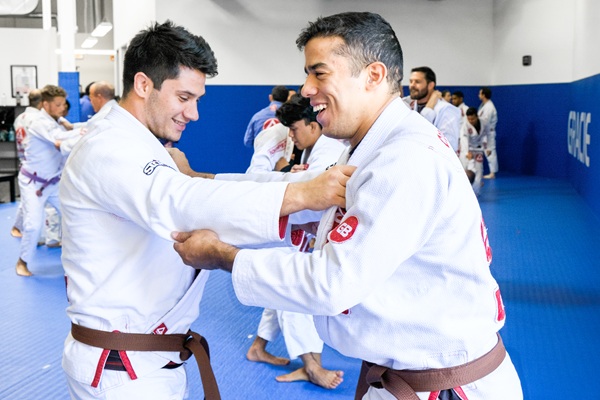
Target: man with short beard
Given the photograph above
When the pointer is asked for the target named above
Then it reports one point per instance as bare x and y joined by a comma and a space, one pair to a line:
427, 101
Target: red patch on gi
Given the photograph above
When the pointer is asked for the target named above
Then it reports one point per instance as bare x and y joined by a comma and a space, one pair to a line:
344, 231
270, 122
160, 330
443, 138
500, 305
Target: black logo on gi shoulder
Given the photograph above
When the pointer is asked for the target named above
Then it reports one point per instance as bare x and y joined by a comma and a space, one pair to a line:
152, 165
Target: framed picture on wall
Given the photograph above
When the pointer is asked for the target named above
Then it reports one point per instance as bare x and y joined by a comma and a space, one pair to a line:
23, 79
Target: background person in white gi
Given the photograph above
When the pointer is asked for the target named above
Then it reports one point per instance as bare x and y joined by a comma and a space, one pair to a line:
476, 132
102, 98
265, 118
273, 148
401, 277
21, 125
427, 101
487, 112
300, 335
122, 202
40, 171
51, 229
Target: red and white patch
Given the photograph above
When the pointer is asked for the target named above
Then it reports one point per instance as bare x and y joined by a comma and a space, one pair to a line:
270, 122
278, 147
501, 313
443, 138
344, 231
160, 330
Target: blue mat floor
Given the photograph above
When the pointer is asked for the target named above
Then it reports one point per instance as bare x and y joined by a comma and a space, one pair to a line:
546, 252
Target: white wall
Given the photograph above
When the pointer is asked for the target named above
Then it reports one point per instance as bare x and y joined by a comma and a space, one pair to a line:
561, 36
129, 17
540, 28
27, 47
586, 41
466, 42
94, 68
254, 40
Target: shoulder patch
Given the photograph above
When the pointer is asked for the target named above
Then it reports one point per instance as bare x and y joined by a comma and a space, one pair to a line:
152, 165
344, 231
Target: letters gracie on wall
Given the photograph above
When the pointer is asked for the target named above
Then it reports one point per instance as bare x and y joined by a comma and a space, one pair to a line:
579, 136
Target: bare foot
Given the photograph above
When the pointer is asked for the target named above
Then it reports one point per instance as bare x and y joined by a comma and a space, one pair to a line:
314, 372
15, 232
319, 376
258, 353
22, 269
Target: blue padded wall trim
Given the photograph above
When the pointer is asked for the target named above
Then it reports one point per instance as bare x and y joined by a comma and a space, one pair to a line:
70, 82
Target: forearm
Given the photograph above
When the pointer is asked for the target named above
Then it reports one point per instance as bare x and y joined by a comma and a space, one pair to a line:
204, 175
224, 256
293, 200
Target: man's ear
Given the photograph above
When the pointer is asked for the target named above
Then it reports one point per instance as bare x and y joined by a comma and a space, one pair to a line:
142, 85
376, 73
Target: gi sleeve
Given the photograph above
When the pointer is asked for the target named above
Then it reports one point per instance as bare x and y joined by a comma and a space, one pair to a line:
390, 216
132, 182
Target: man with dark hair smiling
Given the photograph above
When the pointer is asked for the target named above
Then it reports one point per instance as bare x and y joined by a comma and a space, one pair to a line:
400, 276
132, 300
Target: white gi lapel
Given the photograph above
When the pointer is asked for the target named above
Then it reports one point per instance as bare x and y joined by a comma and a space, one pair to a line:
328, 217
378, 133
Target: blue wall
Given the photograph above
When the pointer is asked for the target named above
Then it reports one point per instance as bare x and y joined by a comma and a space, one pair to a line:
585, 96
215, 143
532, 132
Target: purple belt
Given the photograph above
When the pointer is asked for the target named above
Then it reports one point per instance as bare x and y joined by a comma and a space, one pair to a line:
44, 182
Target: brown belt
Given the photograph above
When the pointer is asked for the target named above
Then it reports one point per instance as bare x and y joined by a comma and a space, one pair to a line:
185, 344
404, 384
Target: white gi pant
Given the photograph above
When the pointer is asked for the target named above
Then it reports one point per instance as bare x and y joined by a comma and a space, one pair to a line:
51, 234
19, 218
492, 158
496, 386
52, 228
33, 213
475, 164
164, 384
299, 332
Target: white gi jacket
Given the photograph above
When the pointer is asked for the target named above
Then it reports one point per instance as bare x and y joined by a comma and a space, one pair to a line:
68, 142
22, 123
488, 114
477, 140
41, 155
324, 153
269, 146
403, 280
122, 196
446, 117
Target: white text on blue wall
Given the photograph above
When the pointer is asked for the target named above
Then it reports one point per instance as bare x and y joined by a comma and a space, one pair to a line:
579, 138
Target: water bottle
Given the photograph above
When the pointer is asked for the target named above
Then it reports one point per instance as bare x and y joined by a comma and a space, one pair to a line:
11, 134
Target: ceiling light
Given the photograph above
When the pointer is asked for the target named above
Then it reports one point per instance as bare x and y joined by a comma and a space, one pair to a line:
89, 42
102, 29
